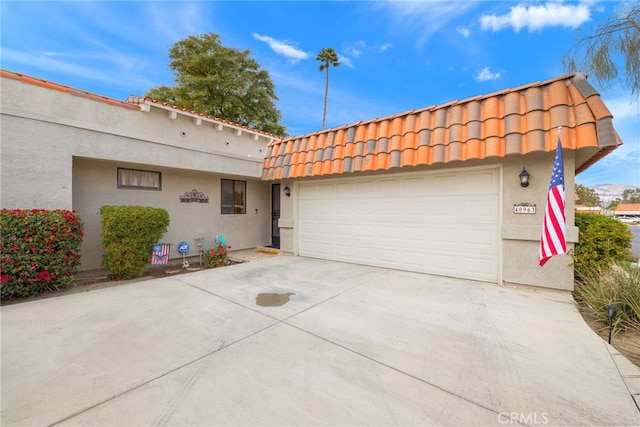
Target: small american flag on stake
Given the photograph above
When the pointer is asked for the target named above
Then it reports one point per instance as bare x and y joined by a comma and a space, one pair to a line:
554, 236
160, 254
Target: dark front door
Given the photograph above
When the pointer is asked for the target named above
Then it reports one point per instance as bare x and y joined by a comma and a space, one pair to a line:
275, 215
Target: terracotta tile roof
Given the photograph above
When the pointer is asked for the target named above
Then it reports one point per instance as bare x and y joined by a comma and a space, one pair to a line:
141, 100
629, 207
62, 88
512, 121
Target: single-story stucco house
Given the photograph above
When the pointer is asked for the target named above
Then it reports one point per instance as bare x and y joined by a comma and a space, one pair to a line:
435, 190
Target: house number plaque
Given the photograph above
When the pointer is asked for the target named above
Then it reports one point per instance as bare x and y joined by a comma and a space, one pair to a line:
524, 208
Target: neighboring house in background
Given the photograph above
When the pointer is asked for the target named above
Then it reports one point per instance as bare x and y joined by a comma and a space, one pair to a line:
586, 209
589, 209
63, 148
437, 190
630, 209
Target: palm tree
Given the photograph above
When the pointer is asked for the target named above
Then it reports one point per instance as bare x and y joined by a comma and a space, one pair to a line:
327, 56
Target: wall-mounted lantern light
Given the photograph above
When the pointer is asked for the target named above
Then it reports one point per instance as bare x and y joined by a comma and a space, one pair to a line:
287, 191
524, 178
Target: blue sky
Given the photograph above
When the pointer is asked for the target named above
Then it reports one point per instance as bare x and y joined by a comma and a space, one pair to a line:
396, 56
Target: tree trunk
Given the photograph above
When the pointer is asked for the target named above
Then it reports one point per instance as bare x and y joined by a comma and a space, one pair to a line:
326, 94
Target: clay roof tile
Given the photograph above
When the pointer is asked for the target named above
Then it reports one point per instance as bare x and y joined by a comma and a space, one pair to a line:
511, 121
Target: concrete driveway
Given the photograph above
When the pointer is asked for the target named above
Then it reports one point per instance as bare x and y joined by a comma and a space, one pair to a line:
354, 345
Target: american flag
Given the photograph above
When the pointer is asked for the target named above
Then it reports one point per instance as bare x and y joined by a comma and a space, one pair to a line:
554, 235
160, 254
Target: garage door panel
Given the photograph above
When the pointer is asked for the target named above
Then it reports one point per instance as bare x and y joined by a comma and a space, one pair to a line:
414, 260
444, 263
444, 207
342, 250
344, 191
440, 223
411, 210
306, 248
388, 256
478, 267
364, 188
478, 238
324, 249
325, 191
480, 207
444, 236
413, 243
387, 232
362, 253
440, 184
324, 229
390, 186
480, 181
389, 207
343, 230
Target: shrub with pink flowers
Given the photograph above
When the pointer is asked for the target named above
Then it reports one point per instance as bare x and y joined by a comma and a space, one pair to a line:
216, 256
39, 250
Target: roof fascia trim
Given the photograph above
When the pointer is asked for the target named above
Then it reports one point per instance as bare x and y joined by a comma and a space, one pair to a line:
198, 119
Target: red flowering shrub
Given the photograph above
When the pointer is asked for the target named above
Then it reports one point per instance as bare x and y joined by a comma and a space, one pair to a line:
216, 256
39, 250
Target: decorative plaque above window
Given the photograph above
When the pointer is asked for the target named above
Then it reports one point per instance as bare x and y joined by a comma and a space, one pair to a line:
194, 196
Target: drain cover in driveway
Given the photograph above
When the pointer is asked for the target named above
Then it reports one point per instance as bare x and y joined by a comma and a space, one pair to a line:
273, 300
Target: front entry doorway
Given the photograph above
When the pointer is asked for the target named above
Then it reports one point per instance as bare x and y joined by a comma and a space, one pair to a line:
275, 215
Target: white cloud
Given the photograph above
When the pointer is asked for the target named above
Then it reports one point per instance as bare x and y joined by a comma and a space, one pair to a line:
626, 120
464, 31
355, 49
385, 47
84, 67
282, 48
622, 165
533, 18
622, 106
186, 19
486, 74
422, 19
345, 61
360, 47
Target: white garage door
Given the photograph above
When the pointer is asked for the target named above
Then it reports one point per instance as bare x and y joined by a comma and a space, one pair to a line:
443, 223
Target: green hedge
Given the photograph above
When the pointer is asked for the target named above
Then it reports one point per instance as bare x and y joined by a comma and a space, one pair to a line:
128, 236
40, 250
603, 241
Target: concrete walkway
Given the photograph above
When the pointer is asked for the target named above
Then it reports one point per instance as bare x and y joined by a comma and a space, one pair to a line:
353, 345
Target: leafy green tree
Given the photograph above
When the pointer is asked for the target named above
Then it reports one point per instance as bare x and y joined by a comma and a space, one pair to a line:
221, 82
588, 196
598, 53
630, 196
614, 204
327, 57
